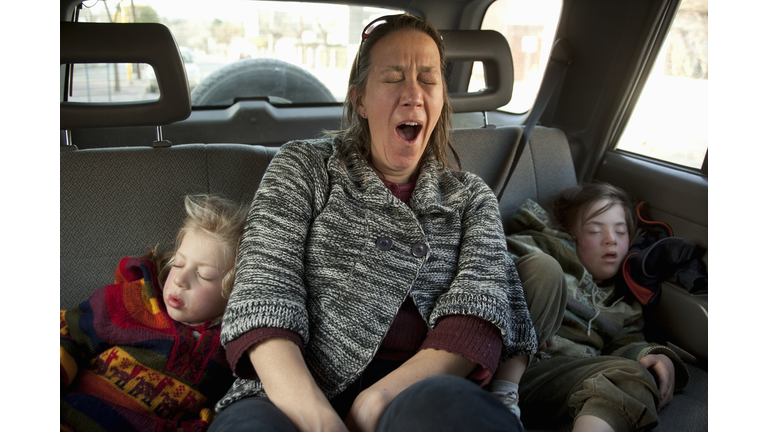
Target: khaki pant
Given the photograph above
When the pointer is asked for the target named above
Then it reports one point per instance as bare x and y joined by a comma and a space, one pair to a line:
618, 390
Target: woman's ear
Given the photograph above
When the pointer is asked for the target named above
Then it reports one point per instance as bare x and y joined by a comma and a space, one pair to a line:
357, 102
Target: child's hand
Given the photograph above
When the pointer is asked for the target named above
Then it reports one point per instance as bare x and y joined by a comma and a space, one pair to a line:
547, 343
661, 366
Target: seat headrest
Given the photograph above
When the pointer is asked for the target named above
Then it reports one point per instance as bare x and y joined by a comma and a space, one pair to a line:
492, 49
149, 43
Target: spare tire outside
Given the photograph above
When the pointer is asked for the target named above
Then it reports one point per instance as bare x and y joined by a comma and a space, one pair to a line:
260, 77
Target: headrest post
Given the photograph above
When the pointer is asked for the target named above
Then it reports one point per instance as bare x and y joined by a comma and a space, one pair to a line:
67, 146
485, 118
160, 142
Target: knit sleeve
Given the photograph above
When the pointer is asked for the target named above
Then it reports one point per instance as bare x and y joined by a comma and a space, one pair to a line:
470, 337
82, 331
269, 288
67, 365
486, 283
100, 322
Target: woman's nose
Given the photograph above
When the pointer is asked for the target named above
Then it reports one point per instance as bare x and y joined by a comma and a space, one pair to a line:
610, 237
412, 94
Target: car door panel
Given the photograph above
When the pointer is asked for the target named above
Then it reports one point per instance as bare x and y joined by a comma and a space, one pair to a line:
676, 196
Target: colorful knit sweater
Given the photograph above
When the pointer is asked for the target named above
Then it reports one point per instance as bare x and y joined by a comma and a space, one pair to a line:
599, 319
330, 253
126, 365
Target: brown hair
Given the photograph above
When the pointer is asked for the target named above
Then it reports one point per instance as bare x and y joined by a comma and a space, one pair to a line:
357, 136
220, 219
571, 205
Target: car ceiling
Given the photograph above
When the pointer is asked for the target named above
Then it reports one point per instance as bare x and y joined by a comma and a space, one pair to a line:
456, 14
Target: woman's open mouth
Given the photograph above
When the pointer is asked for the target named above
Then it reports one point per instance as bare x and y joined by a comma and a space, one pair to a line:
408, 131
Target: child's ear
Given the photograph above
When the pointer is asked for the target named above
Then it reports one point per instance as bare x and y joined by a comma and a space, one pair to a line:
573, 235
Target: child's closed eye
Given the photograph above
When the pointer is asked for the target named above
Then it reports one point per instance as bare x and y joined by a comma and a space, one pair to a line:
204, 278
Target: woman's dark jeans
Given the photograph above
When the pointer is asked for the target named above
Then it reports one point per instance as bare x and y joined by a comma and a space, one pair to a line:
442, 403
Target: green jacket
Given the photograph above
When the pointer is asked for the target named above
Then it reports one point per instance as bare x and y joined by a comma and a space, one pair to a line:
598, 320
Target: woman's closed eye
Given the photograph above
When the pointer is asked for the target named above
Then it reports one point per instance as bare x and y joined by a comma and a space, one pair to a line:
394, 77
428, 80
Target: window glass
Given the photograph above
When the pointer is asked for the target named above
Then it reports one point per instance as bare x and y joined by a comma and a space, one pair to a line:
477, 80
529, 26
301, 53
110, 82
670, 120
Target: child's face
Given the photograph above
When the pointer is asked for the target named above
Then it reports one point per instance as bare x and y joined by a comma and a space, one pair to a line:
192, 291
602, 242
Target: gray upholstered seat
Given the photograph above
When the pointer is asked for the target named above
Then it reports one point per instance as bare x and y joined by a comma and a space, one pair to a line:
122, 201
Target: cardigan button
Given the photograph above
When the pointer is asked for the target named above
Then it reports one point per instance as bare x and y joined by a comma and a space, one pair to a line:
421, 218
419, 250
384, 243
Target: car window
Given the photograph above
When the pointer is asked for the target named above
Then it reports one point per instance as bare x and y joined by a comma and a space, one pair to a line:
670, 119
529, 26
186, 56
288, 52
111, 82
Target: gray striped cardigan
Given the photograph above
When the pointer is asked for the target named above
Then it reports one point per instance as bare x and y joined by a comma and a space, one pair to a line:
331, 254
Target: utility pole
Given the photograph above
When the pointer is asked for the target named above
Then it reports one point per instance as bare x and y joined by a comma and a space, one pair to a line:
117, 76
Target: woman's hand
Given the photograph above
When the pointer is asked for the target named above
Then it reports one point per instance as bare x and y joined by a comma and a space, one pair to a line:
664, 370
371, 403
368, 406
290, 386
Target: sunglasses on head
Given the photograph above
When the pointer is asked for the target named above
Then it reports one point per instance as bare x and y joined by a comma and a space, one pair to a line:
377, 22
367, 30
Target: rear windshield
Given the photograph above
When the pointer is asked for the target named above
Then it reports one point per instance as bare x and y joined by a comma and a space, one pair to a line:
293, 53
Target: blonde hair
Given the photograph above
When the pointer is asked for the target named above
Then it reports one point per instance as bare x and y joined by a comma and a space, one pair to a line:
219, 218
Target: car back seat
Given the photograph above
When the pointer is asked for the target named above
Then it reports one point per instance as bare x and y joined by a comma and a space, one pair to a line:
545, 167
118, 202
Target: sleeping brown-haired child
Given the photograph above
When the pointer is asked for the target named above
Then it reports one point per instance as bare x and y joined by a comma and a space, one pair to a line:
594, 363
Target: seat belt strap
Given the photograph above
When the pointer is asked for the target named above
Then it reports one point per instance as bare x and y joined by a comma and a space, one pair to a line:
558, 64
